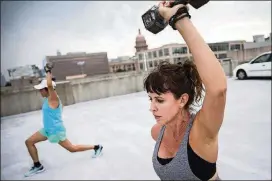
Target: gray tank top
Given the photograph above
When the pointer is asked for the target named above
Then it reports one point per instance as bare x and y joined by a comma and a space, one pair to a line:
178, 168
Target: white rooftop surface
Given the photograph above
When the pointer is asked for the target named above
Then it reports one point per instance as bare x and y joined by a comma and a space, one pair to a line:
122, 124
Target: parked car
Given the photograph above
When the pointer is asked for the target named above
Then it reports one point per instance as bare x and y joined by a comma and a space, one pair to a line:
259, 66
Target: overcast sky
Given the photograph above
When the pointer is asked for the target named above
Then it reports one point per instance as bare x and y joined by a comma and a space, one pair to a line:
31, 30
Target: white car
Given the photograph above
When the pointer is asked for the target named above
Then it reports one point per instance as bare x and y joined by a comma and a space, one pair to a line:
259, 66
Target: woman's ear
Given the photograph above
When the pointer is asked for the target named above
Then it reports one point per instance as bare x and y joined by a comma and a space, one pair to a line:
183, 100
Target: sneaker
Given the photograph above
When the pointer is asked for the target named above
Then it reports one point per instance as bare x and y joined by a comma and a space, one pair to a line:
34, 170
98, 151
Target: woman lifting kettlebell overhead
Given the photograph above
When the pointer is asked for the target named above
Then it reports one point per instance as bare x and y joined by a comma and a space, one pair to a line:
186, 143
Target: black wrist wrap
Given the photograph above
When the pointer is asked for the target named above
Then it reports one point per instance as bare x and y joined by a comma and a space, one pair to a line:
181, 13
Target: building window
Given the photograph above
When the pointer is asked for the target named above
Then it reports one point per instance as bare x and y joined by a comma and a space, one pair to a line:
184, 50
129, 67
154, 54
175, 51
141, 66
160, 53
140, 56
219, 47
235, 47
150, 64
166, 52
149, 55
181, 50
213, 48
155, 63
222, 55
224, 47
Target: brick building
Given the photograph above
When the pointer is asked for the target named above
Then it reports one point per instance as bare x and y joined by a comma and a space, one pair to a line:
73, 64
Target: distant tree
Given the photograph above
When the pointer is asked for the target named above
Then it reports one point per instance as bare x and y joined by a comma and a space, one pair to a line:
8, 84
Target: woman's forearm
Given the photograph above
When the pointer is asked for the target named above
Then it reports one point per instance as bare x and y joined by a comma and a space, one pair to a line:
209, 68
49, 79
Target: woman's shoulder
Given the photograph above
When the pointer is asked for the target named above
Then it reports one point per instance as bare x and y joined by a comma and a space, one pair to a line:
155, 131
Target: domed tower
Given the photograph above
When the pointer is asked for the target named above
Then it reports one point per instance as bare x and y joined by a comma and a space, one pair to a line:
140, 42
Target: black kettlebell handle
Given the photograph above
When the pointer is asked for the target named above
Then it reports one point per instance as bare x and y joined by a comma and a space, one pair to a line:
184, 2
50, 65
195, 3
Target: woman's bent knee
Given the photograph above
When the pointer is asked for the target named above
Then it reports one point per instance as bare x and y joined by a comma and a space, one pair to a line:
73, 149
28, 142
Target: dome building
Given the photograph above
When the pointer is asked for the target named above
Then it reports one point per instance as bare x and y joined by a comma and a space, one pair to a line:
140, 43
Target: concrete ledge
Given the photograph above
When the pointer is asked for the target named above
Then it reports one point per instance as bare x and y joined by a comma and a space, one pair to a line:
16, 101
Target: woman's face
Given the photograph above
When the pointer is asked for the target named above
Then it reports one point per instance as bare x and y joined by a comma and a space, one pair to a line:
165, 107
44, 92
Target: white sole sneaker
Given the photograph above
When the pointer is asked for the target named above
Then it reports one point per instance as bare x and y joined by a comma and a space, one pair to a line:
99, 154
34, 173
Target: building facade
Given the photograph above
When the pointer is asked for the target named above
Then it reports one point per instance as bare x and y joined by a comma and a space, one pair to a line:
175, 53
249, 50
123, 64
146, 59
74, 64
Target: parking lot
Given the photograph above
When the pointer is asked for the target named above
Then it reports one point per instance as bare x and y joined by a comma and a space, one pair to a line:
122, 124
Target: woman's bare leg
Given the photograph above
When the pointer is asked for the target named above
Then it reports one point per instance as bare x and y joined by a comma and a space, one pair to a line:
75, 148
30, 144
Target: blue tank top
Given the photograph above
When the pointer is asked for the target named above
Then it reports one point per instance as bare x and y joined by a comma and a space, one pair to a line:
52, 118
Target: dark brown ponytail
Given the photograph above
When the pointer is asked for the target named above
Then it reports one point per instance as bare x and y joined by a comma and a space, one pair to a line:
193, 77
